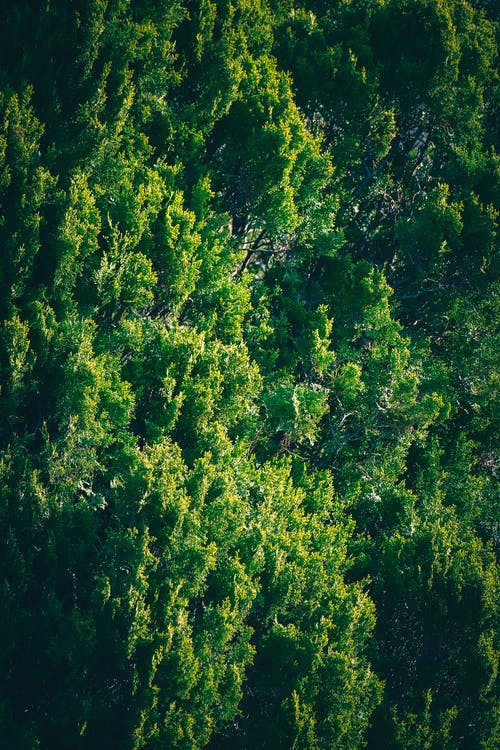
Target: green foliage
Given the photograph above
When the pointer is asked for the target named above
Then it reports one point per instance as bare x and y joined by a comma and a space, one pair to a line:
249, 375
310, 684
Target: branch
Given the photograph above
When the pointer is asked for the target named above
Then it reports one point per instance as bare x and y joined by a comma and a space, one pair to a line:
421, 293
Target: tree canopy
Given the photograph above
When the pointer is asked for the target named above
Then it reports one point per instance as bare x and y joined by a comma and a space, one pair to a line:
249, 374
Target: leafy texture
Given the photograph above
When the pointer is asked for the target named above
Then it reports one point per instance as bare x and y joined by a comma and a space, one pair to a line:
249, 374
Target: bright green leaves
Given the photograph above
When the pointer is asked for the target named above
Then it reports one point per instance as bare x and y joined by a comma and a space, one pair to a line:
215, 45
270, 170
354, 391
78, 235
188, 382
157, 361
211, 214
220, 394
177, 242
348, 384
309, 626
16, 364
320, 353
199, 638
125, 279
294, 412
422, 730
16, 347
25, 190
162, 548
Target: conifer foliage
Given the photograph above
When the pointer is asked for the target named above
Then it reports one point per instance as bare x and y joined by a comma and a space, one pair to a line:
249, 374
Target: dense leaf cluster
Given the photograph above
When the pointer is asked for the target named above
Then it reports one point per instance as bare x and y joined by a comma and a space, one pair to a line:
249, 374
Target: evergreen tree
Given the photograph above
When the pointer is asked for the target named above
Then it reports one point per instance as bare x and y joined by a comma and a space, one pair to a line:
249, 374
